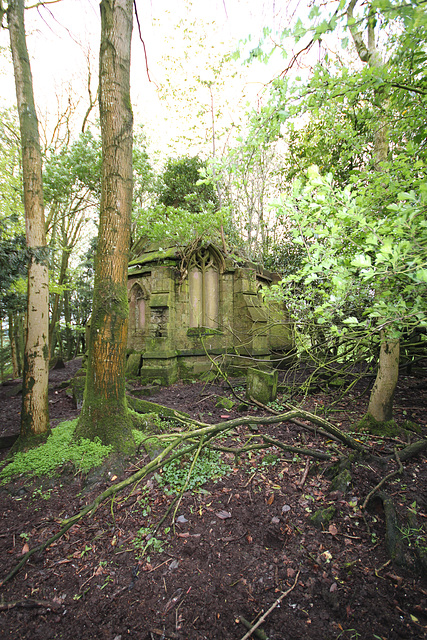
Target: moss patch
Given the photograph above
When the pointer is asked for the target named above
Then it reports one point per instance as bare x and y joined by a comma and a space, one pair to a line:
59, 448
390, 429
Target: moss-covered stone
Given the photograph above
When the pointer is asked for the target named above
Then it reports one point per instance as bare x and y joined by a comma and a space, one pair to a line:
225, 403
163, 327
261, 385
322, 517
341, 482
133, 365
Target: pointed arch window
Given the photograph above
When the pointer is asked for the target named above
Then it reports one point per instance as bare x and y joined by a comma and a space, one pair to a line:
203, 279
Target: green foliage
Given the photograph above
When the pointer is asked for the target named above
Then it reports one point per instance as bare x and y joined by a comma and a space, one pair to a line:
59, 449
209, 466
181, 187
187, 207
359, 270
181, 227
74, 171
144, 541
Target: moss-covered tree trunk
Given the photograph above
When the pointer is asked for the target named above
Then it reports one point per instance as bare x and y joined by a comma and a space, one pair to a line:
35, 412
381, 400
104, 413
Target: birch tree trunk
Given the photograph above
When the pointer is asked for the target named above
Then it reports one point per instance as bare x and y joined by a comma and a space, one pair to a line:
380, 405
35, 408
104, 413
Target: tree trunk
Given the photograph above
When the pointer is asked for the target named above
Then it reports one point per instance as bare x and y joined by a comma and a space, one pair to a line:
35, 408
55, 315
104, 413
381, 400
19, 340
69, 338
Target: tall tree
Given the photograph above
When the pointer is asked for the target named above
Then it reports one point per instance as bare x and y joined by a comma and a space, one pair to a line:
104, 413
381, 400
35, 408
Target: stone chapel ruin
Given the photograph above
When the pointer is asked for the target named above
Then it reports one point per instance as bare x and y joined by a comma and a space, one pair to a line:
186, 308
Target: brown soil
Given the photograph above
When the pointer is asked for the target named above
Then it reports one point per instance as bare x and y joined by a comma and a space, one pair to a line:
241, 543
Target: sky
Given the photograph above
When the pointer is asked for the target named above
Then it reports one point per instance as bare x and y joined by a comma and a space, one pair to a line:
63, 39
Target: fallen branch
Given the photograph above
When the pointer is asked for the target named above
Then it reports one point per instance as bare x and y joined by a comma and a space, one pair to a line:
328, 427
299, 423
411, 450
273, 606
304, 452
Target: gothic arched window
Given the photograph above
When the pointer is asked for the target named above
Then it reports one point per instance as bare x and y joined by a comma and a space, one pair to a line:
203, 279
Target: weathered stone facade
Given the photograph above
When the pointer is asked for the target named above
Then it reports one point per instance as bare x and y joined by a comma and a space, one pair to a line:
181, 310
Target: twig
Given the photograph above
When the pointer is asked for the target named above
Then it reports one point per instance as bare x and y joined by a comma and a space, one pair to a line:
160, 565
273, 606
384, 480
27, 603
305, 474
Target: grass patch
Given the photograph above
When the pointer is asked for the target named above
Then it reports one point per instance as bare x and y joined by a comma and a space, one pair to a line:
59, 448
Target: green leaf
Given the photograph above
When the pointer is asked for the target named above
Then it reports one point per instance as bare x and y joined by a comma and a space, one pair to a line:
361, 261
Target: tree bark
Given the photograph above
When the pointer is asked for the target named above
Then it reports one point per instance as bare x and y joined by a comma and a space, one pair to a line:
35, 408
381, 400
104, 413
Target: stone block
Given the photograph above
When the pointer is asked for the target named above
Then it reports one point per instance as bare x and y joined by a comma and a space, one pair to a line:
261, 385
133, 365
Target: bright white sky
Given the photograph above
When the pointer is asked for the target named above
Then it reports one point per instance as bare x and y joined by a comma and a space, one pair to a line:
62, 36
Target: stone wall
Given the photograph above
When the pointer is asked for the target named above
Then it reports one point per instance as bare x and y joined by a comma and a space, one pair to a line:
216, 309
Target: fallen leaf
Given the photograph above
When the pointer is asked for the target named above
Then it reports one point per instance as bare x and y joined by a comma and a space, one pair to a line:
271, 499
113, 478
25, 549
333, 530
223, 515
181, 519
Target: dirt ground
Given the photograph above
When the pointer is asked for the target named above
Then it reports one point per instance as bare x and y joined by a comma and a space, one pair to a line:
239, 544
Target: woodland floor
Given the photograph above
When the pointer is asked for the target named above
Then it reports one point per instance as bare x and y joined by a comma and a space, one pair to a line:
242, 541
